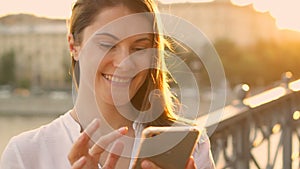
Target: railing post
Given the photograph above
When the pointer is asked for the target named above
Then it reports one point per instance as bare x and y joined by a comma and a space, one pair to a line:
240, 92
285, 80
287, 147
287, 141
243, 146
242, 142
287, 129
246, 131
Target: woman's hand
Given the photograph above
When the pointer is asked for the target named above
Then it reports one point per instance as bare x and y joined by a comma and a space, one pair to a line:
146, 164
82, 156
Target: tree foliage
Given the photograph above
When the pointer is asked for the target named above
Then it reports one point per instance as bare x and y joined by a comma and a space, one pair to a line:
7, 68
261, 64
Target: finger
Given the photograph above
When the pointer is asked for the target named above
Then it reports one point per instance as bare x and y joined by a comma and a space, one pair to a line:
114, 156
81, 145
79, 149
92, 127
191, 163
146, 164
104, 141
79, 163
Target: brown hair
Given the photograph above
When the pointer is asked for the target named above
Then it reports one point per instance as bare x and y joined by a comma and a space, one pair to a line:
83, 15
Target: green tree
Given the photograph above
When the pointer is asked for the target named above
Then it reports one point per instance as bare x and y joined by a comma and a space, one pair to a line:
260, 64
7, 68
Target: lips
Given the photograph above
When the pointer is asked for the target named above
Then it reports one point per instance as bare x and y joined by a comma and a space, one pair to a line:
117, 79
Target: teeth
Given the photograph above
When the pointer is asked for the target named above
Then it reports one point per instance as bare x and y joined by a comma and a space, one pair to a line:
116, 79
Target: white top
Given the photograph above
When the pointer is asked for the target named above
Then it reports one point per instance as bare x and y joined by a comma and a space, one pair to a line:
48, 147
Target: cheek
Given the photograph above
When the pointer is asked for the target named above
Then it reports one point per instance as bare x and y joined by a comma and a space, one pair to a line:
103, 62
98, 77
143, 59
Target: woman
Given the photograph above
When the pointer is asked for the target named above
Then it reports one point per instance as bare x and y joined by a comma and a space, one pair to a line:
65, 142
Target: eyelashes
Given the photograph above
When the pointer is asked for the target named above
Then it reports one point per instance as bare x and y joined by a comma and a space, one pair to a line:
112, 46
106, 45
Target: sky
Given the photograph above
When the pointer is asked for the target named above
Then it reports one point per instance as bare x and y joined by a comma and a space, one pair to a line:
286, 12
45, 8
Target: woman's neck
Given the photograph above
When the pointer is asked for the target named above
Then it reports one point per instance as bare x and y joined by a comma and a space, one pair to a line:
116, 117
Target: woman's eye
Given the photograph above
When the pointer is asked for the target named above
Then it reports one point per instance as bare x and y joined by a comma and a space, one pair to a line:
106, 45
139, 48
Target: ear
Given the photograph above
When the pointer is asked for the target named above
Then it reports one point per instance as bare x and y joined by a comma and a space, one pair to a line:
74, 49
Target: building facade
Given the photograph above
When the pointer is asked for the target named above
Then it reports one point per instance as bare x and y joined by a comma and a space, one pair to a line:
41, 50
222, 20
41, 54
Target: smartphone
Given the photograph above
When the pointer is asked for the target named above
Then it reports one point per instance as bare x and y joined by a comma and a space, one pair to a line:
167, 147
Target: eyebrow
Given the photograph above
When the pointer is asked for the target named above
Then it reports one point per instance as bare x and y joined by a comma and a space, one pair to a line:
116, 38
108, 34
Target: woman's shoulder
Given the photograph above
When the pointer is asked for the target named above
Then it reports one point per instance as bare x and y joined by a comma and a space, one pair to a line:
43, 132
32, 145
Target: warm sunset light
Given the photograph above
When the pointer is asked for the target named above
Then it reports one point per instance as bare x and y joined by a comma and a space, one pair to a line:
45, 8
183, 1
245, 87
286, 12
52, 8
276, 128
296, 115
295, 86
265, 97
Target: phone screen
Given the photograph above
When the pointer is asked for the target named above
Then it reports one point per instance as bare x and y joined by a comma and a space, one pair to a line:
167, 147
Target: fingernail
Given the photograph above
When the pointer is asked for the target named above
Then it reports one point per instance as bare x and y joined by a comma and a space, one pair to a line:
92, 127
123, 130
146, 164
81, 161
94, 122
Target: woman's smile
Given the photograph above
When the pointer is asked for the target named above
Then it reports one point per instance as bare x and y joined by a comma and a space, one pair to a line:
117, 80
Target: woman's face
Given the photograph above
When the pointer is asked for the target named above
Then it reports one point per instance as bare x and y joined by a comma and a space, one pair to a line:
123, 69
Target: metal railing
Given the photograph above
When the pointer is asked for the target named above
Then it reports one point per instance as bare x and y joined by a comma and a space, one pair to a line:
262, 131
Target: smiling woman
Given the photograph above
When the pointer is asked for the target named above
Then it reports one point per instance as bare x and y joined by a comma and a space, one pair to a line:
118, 54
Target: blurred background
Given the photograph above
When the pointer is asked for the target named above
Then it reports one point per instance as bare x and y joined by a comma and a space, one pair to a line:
258, 42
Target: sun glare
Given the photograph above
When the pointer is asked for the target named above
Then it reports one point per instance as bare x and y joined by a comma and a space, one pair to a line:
241, 3
286, 12
265, 97
184, 1
262, 5
51, 9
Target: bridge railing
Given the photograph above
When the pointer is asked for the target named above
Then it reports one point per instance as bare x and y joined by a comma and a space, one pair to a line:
262, 131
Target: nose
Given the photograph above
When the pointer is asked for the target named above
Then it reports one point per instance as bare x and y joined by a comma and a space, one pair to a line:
122, 60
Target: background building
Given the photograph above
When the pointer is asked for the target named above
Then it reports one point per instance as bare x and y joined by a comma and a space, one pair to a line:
40, 48
40, 45
221, 19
